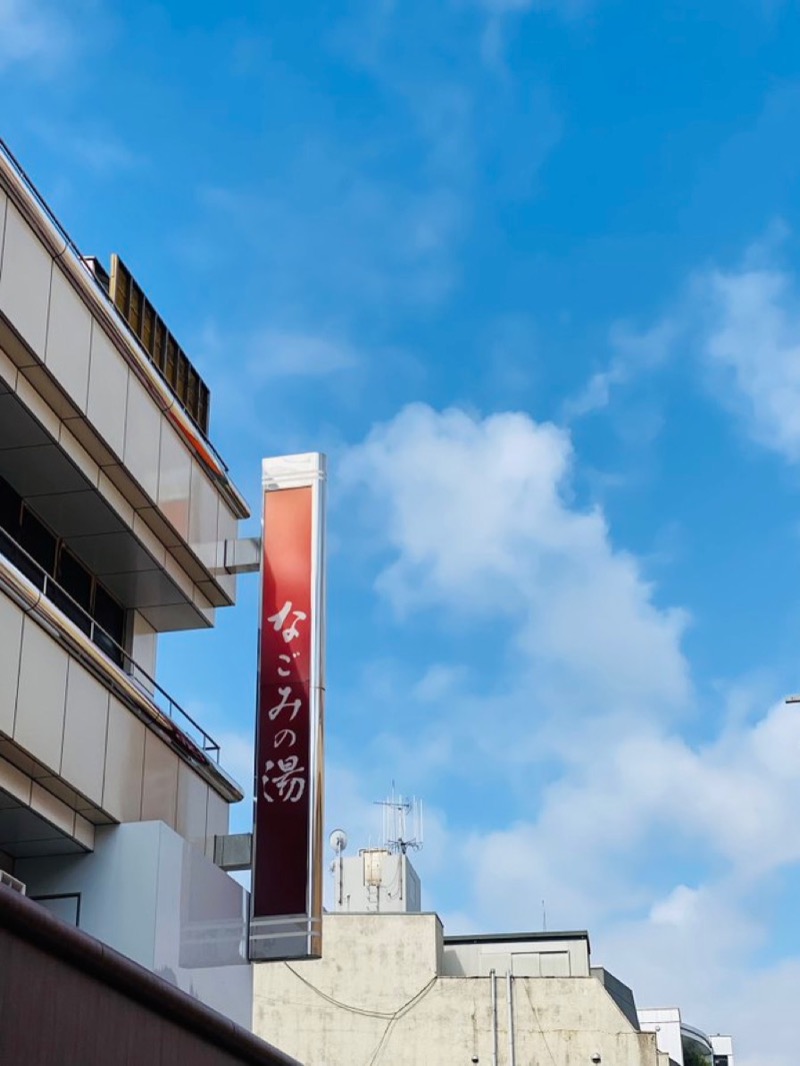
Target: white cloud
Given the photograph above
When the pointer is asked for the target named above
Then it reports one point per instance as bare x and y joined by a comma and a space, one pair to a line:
634, 353
733, 801
752, 341
743, 324
600, 852
661, 846
33, 34
479, 518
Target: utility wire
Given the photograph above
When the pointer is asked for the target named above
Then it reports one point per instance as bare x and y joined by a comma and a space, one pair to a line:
390, 1015
397, 1016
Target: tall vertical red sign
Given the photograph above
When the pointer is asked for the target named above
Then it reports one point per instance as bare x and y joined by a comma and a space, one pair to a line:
286, 894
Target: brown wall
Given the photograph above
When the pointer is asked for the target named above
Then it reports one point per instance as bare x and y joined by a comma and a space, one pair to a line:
67, 1000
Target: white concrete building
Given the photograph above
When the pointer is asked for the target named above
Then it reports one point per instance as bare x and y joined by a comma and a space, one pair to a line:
722, 1047
685, 1045
392, 989
115, 513
377, 880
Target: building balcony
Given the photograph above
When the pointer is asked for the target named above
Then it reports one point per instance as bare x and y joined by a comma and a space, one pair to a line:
87, 736
91, 429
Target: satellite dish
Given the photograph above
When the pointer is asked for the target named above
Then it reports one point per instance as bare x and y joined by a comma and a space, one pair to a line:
338, 840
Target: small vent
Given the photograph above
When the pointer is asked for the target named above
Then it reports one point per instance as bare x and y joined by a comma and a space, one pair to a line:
12, 883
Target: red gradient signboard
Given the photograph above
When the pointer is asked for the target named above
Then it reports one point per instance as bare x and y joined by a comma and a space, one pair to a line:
286, 892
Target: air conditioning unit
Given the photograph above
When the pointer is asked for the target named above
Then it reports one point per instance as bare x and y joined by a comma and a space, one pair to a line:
13, 883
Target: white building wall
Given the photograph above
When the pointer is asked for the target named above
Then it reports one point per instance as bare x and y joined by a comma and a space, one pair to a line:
152, 897
377, 997
723, 1045
541, 958
376, 881
665, 1022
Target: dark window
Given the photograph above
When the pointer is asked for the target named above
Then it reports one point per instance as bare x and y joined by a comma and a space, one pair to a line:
10, 518
10, 508
37, 540
70, 586
110, 617
9, 548
76, 582
74, 578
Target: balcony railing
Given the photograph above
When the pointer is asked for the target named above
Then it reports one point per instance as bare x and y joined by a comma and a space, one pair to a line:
117, 655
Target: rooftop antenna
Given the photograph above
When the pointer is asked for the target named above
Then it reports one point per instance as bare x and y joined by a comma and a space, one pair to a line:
402, 823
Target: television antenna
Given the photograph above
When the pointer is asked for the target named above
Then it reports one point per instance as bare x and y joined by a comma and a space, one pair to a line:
402, 823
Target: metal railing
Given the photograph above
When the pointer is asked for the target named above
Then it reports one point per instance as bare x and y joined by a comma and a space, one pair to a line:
113, 651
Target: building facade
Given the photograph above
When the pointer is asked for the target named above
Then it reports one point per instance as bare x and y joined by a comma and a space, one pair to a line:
391, 988
685, 1045
116, 515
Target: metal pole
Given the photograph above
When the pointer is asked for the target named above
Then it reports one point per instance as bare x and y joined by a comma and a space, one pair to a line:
510, 994
493, 979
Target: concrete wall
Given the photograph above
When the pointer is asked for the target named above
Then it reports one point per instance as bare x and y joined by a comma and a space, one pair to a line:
376, 880
155, 899
378, 997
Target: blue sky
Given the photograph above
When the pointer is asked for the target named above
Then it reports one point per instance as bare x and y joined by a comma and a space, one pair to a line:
528, 273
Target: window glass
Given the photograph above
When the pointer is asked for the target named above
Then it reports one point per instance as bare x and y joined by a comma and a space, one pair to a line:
72, 592
111, 618
10, 508
74, 578
39, 543
70, 586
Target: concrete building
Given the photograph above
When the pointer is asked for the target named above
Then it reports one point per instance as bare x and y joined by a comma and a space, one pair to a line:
377, 880
117, 523
392, 988
685, 1045
722, 1046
